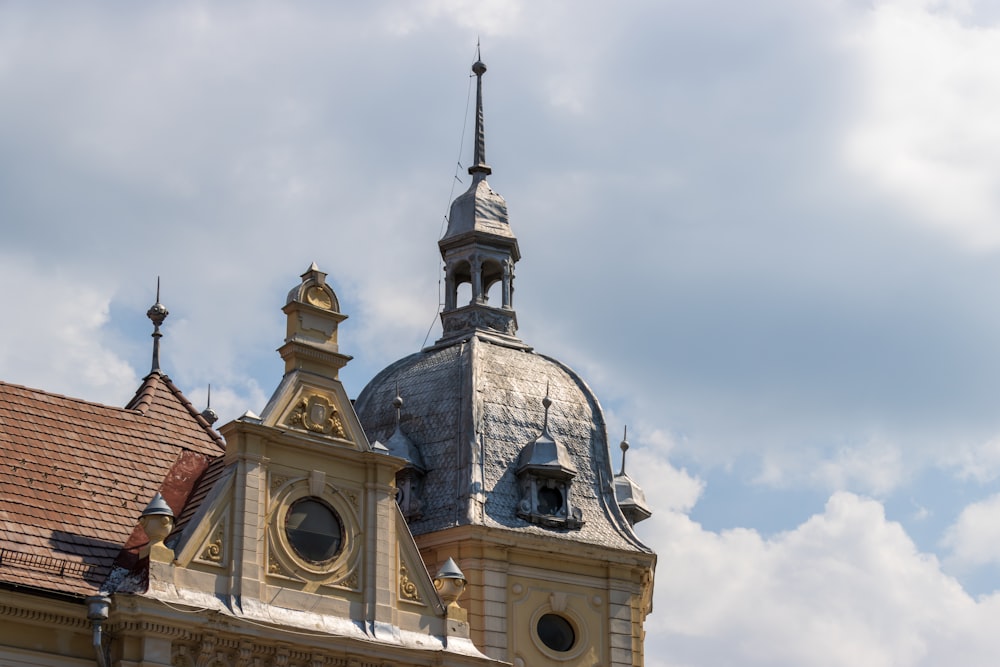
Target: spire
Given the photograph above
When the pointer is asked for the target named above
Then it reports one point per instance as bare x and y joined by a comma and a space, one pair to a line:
480, 249
479, 168
157, 313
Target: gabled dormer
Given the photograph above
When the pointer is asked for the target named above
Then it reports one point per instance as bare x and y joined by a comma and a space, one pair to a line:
298, 521
410, 478
545, 475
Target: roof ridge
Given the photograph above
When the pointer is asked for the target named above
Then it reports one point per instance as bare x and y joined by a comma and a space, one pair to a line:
198, 417
143, 397
64, 397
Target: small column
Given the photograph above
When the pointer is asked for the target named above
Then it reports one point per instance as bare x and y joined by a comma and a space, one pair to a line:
507, 275
477, 280
450, 290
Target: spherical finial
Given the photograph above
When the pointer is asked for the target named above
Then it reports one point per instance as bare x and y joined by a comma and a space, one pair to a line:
157, 313
546, 402
397, 402
210, 415
478, 68
624, 444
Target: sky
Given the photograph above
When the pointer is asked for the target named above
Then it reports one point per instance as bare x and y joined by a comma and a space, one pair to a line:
767, 234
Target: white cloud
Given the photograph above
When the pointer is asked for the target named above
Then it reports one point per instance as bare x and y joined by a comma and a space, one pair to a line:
974, 538
667, 488
979, 462
485, 17
875, 467
845, 587
926, 133
55, 334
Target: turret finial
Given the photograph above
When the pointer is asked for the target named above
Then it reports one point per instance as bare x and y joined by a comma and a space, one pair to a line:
397, 403
624, 447
210, 415
157, 313
479, 168
547, 403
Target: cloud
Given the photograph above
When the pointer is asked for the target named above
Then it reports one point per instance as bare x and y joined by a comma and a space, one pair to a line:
974, 538
845, 587
974, 461
926, 134
667, 488
56, 334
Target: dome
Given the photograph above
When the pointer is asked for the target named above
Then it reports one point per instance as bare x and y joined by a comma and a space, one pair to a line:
472, 407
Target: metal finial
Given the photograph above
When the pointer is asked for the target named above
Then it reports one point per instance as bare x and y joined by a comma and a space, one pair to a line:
547, 404
157, 506
397, 403
479, 168
210, 415
157, 313
624, 447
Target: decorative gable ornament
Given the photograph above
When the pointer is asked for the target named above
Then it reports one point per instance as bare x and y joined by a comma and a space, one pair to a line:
545, 475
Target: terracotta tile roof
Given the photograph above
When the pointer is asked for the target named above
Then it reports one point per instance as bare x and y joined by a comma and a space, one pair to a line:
75, 475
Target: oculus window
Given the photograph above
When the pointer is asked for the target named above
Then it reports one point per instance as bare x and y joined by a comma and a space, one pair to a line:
556, 632
314, 530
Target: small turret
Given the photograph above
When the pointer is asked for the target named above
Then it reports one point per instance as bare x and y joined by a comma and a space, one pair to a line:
479, 248
311, 336
630, 495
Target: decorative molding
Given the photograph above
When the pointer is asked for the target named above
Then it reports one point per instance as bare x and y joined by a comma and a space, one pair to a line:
274, 566
44, 617
407, 588
277, 481
213, 551
350, 581
317, 414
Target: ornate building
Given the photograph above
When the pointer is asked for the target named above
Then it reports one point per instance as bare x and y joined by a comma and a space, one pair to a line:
306, 536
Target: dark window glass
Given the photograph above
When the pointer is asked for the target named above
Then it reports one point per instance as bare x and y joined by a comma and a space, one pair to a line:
556, 632
313, 530
549, 500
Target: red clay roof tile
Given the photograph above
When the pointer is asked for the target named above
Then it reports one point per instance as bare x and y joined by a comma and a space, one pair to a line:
75, 475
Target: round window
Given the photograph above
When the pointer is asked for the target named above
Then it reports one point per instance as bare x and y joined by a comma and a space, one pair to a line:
556, 632
550, 500
314, 530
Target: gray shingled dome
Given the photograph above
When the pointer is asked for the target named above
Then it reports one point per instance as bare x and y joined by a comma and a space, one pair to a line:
471, 408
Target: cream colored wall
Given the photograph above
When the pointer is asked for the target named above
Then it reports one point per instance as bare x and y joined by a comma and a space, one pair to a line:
514, 579
42, 631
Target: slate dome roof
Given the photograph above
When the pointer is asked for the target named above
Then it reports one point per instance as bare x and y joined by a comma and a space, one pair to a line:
475, 400
470, 408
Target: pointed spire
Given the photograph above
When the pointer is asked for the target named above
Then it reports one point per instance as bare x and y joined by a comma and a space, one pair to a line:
157, 313
479, 168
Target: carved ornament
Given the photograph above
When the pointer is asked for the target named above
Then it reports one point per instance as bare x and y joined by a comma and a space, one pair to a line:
315, 413
407, 589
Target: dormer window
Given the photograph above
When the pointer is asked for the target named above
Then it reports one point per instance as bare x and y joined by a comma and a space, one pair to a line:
545, 475
410, 478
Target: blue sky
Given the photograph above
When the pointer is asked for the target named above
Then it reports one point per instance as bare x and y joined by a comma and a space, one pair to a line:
767, 233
